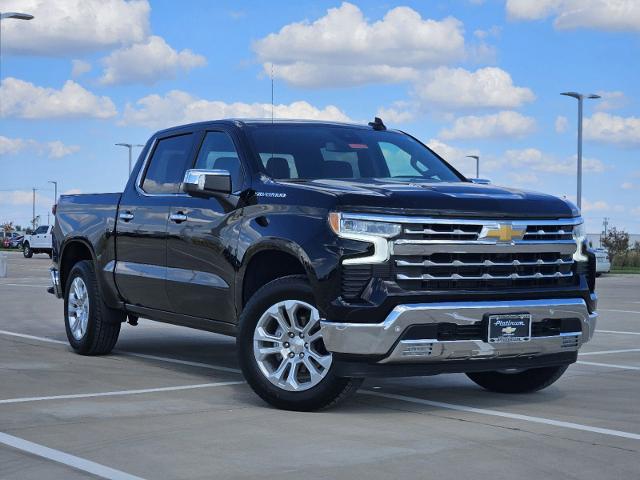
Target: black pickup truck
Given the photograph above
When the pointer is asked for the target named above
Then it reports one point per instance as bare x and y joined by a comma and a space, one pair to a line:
332, 252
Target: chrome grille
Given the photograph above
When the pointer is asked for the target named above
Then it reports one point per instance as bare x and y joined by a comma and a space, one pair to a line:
483, 254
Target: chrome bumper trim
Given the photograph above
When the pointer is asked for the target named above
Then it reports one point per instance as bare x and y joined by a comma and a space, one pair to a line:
381, 338
55, 281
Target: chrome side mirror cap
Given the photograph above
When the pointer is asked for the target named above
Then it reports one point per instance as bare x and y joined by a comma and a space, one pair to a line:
480, 181
206, 182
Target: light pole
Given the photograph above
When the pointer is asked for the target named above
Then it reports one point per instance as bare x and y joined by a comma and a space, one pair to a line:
130, 147
15, 15
580, 97
477, 157
55, 190
33, 209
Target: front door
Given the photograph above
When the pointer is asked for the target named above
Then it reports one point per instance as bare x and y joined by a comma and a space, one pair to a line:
202, 239
141, 226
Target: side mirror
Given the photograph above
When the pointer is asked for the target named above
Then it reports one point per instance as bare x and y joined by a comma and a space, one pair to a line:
480, 181
207, 182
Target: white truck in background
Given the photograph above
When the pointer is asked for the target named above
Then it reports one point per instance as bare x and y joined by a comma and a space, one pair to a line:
39, 241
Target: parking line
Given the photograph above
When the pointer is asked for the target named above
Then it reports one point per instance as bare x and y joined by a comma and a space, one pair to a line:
64, 458
131, 354
21, 285
610, 365
604, 352
617, 331
497, 413
119, 392
619, 311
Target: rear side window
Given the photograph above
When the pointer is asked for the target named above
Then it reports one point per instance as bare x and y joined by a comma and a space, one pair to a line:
42, 229
168, 164
219, 153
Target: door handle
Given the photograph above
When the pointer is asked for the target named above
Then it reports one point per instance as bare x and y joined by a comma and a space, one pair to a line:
126, 216
178, 217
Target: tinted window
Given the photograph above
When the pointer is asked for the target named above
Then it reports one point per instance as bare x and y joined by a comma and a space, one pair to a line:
219, 153
42, 229
319, 151
168, 164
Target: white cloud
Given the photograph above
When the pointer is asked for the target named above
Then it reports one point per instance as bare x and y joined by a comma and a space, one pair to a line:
178, 107
627, 186
25, 100
611, 15
79, 67
54, 149
458, 88
22, 197
607, 128
398, 112
63, 27
561, 124
497, 125
10, 146
344, 48
611, 101
594, 206
57, 149
148, 62
535, 160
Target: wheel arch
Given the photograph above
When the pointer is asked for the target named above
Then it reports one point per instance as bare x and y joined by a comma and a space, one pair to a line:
270, 259
73, 251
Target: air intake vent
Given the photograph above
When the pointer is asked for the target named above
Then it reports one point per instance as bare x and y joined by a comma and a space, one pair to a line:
354, 280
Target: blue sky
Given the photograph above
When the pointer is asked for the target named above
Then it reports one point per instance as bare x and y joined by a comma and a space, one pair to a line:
466, 77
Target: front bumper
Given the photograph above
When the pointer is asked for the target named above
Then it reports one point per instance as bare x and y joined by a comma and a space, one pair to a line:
383, 344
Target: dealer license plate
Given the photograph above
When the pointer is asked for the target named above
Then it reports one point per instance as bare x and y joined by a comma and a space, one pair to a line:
512, 327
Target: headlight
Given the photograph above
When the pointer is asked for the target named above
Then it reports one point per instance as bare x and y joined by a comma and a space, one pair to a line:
350, 226
371, 231
580, 236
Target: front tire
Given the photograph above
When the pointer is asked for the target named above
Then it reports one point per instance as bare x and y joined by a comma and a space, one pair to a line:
527, 381
26, 251
280, 349
92, 327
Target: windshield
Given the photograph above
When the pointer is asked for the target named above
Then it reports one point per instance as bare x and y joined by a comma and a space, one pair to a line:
334, 152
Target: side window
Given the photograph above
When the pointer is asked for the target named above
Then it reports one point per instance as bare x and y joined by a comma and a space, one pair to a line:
168, 164
42, 229
219, 153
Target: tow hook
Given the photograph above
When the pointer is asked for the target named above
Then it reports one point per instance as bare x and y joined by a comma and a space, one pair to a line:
132, 319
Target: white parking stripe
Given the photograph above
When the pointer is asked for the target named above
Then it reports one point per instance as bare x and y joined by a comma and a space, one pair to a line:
610, 365
33, 337
131, 354
617, 331
65, 458
22, 285
119, 392
619, 311
180, 362
497, 413
604, 352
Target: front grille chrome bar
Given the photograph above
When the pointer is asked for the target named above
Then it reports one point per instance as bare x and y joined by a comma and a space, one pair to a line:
484, 276
485, 263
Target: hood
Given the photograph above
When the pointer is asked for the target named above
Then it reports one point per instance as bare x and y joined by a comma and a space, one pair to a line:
443, 199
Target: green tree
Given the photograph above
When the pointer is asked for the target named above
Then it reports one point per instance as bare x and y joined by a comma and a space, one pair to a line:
616, 241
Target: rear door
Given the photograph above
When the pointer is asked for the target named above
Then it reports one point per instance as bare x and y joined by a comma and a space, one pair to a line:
141, 227
203, 235
39, 237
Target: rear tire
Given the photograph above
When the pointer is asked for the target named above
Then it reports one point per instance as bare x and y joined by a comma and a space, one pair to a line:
26, 251
297, 372
527, 381
92, 327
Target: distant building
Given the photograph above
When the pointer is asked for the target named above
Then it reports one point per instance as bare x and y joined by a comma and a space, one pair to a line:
594, 238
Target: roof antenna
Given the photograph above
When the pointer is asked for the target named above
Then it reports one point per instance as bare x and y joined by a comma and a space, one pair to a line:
377, 124
272, 93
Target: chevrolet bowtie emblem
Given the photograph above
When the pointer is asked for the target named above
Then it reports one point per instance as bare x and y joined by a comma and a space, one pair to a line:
508, 330
503, 232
